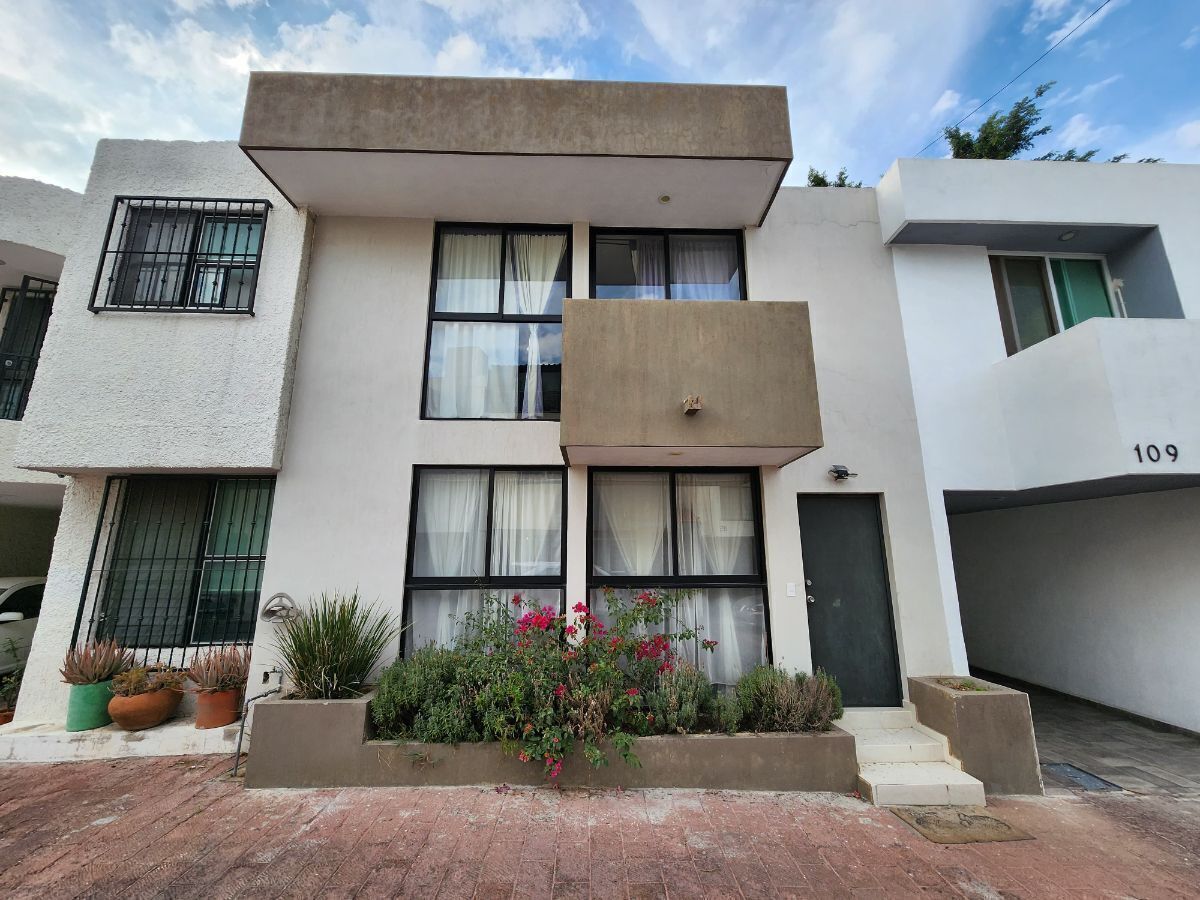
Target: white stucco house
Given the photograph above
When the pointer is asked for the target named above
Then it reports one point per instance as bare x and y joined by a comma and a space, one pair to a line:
948, 422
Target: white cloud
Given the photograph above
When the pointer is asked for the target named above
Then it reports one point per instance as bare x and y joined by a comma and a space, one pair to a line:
1193, 39
1188, 135
1042, 11
1084, 94
1177, 143
945, 105
1080, 19
546, 20
1080, 133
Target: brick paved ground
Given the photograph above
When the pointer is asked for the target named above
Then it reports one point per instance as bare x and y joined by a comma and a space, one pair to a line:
176, 828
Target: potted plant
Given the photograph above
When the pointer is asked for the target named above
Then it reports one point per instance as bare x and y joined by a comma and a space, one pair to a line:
145, 696
220, 680
10, 687
90, 670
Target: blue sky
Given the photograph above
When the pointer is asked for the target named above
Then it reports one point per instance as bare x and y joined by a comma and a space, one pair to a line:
868, 80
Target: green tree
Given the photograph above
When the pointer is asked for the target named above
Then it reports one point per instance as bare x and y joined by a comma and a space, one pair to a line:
821, 179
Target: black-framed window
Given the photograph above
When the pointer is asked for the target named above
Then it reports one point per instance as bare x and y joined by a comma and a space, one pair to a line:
478, 530
698, 530
177, 562
660, 264
178, 254
494, 349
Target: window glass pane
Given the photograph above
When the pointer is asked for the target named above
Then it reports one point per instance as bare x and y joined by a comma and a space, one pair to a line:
733, 617
451, 523
468, 278
228, 601
630, 267
539, 376
27, 601
224, 237
715, 525
436, 616
153, 272
536, 272
1030, 304
241, 514
631, 512
705, 267
150, 579
1082, 294
527, 524
473, 370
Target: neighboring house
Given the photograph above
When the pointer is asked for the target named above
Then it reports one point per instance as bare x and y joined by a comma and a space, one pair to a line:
37, 224
467, 331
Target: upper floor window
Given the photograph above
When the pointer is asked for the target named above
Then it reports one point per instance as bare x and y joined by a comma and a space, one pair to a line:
667, 265
1040, 296
495, 333
171, 254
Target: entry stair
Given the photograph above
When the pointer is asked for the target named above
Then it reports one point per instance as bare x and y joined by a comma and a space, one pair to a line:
903, 763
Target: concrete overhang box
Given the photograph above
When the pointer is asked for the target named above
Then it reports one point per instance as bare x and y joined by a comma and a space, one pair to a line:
520, 149
629, 367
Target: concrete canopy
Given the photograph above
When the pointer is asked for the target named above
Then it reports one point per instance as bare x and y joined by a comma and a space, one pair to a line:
520, 149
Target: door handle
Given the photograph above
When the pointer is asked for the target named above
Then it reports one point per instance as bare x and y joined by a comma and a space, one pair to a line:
811, 599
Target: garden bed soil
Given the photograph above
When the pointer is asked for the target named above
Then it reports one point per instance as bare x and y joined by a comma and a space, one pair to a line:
326, 743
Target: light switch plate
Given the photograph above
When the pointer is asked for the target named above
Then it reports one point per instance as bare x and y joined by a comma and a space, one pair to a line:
791, 589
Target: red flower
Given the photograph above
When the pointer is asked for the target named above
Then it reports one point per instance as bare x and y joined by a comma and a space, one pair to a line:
570, 629
579, 607
709, 644
560, 690
516, 599
633, 692
523, 756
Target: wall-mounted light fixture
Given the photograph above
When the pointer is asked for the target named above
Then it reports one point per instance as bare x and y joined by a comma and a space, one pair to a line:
1068, 235
692, 404
279, 608
841, 473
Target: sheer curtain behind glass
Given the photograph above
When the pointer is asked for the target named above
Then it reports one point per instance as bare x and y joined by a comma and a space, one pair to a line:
630, 534
468, 272
704, 267
451, 523
527, 524
532, 286
473, 370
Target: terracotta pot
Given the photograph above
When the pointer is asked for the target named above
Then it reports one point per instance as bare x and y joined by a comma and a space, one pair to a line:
144, 710
6, 716
217, 708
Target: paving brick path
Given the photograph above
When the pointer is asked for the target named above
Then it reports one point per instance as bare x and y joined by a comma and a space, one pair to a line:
176, 828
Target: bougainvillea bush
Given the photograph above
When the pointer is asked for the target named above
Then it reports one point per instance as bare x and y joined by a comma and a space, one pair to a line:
542, 683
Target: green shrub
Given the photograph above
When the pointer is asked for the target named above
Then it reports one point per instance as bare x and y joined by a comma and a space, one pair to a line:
727, 713
680, 701
773, 700
420, 698
329, 651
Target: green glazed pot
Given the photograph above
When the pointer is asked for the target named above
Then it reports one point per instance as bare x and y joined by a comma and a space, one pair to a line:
87, 707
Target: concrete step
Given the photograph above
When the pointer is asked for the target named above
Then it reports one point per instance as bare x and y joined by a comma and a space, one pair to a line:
897, 745
862, 717
918, 784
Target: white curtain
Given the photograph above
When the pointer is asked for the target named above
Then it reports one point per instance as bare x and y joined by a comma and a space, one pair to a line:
473, 370
468, 273
734, 618
451, 521
631, 519
437, 616
648, 267
533, 261
527, 524
704, 268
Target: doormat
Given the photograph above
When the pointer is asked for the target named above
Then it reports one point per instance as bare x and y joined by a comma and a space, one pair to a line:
1079, 777
959, 824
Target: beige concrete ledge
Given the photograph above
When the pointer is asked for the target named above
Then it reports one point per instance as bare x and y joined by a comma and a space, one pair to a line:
990, 732
324, 744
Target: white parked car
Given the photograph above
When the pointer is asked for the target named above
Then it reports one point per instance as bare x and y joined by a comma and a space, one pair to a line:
20, 603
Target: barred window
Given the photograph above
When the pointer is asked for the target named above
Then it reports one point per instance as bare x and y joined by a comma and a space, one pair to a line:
170, 254
178, 563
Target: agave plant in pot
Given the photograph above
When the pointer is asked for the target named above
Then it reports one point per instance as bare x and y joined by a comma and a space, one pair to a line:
90, 670
220, 677
145, 696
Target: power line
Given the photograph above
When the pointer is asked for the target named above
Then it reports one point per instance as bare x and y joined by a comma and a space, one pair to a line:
1015, 77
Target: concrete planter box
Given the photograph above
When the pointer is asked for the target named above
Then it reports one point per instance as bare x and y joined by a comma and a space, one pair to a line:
990, 731
324, 743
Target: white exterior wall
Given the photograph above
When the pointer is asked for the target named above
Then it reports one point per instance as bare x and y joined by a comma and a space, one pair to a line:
1096, 598
343, 495
130, 391
38, 215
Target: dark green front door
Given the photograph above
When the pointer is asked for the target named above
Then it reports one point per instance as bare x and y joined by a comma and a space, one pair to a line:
849, 602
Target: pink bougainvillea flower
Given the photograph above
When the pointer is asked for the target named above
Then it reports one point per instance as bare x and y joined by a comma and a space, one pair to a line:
570, 629
523, 756
709, 644
633, 692
580, 607
516, 599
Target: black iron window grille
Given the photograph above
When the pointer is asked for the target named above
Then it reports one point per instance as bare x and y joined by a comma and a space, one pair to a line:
169, 254
176, 564
475, 531
26, 312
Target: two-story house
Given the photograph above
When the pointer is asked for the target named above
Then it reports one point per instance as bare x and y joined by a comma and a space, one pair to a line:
432, 338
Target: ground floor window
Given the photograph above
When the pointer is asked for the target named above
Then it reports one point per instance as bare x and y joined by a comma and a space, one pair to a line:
698, 530
177, 563
476, 531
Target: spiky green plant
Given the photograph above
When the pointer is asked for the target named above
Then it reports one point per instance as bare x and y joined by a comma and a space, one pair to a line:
220, 669
94, 662
329, 651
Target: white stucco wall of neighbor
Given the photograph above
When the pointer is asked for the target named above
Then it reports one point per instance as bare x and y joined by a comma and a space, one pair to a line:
130, 391
343, 495
38, 215
1096, 598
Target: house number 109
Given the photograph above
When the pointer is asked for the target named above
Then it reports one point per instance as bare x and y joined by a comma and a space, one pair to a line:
1151, 453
